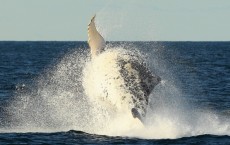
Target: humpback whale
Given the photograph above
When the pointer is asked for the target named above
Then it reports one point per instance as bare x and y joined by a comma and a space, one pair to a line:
137, 79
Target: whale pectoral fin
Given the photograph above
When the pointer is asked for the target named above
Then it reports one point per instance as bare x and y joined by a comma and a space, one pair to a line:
136, 114
95, 40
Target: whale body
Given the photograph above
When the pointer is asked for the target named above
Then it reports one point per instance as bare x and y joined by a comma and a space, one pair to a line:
131, 75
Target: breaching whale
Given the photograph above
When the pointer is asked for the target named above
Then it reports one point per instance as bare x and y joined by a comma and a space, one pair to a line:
137, 79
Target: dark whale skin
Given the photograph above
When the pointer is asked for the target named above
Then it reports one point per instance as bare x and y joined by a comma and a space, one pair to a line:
139, 86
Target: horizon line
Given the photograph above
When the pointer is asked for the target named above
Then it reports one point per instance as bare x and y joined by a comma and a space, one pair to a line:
116, 41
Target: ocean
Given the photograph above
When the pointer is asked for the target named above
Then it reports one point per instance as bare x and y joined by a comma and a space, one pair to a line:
43, 98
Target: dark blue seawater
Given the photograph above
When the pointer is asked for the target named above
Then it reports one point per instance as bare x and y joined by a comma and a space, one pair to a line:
201, 71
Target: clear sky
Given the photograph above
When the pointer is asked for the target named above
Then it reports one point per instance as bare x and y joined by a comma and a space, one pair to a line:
132, 20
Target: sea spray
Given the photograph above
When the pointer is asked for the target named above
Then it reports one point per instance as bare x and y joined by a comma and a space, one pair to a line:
57, 102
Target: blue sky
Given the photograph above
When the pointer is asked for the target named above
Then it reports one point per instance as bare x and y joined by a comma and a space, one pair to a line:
125, 20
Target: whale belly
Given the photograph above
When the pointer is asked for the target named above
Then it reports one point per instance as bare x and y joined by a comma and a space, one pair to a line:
120, 80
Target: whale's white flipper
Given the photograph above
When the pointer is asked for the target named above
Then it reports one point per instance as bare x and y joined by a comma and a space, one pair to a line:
95, 40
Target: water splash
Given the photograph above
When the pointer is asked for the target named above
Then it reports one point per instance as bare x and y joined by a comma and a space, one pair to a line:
58, 102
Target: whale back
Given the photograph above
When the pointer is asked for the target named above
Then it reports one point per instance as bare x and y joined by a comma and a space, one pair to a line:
140, 82
95, 40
